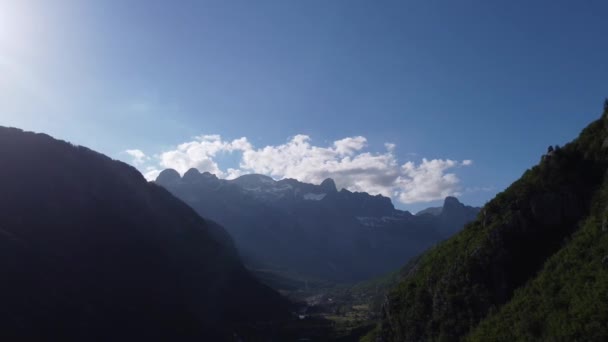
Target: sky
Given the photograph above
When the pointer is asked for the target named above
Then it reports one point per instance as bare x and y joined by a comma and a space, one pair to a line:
416, 100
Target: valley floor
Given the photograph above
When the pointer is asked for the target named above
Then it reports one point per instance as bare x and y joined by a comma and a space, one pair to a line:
326, 311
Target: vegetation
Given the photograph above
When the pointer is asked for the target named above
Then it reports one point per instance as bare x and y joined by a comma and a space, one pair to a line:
90, 244
567, 300
531, 266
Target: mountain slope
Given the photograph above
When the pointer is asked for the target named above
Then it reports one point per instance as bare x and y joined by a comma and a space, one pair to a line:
567, 300
315, 231
521, 247
90, 251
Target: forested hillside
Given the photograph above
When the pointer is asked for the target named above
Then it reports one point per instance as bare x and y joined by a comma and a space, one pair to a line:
532, 266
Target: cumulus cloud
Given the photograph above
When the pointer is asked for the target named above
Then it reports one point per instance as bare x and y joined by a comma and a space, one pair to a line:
139, 157
348, 146
151, 173
200, 154
390, 146
345, 160
428, 180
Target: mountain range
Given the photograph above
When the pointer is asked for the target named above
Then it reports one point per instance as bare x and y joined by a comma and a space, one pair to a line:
312, 230
89, 250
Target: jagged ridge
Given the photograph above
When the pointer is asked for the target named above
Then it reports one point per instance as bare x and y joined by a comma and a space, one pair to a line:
314, 230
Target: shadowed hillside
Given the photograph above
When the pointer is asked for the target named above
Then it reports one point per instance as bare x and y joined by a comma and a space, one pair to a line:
90, 251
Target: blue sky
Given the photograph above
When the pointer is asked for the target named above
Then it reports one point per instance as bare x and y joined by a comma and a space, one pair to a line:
492, 82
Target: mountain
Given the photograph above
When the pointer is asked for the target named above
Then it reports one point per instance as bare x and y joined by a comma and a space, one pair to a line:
430, 211
312, 230
451, 211
90, 251
533, 266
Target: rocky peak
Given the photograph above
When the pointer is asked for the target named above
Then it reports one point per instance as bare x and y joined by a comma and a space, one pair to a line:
451, 204
168, 176
191, 175
329, 185
455, 214
208, 175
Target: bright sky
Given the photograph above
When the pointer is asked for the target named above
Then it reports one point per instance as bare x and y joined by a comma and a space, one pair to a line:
415, 100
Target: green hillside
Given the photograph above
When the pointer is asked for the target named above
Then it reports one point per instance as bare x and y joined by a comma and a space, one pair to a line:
532, 266
566, 301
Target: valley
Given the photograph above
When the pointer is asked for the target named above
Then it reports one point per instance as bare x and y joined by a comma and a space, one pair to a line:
303, 171
259, 268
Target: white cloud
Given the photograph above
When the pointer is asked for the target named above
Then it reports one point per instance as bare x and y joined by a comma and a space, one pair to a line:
299, 159
344, 160
428, 181
390, 146
348, 146
151, 173
199, 154
234, 173
139, 157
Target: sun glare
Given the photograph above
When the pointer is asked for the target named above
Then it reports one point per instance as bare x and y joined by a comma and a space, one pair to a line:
13, 20
6, 23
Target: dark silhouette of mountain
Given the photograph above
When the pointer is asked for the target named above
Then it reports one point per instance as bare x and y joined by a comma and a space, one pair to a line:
90, 251
454, 211
314, 230
532, 267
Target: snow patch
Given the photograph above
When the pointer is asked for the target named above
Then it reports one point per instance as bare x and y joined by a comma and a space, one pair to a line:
314, 197
372, 221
